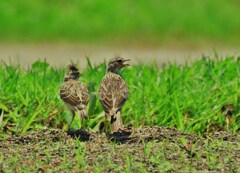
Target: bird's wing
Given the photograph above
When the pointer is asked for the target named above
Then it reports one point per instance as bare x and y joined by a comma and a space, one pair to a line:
121, 94
113, 92
74, 93
104, 95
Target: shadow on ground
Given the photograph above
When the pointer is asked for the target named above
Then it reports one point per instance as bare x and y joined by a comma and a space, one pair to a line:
149, 148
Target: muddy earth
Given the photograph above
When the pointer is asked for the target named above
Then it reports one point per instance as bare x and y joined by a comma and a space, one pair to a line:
152, 149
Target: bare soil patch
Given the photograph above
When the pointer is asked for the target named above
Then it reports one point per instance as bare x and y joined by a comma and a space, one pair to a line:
154, 148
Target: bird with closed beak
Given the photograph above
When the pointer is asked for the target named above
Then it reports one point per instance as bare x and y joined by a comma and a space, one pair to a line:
74, 94
113, 93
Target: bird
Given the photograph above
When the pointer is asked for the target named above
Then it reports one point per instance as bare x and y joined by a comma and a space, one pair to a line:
74, 94
113, 93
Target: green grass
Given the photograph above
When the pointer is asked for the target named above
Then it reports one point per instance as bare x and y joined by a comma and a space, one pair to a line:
137, 21
190, 97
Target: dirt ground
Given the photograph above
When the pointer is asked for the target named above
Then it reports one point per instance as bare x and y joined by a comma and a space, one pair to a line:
61, 54
219, 151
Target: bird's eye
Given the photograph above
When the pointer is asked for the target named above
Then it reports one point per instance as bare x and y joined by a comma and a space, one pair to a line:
119, 60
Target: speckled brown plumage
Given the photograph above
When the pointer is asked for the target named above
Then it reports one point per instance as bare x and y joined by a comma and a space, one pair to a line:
74, 93
113, 93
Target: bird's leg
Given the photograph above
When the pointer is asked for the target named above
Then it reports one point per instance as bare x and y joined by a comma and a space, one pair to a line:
105, 124
81, 118
82, 122
73, 115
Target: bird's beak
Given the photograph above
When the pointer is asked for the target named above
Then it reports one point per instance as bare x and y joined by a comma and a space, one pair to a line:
124, 65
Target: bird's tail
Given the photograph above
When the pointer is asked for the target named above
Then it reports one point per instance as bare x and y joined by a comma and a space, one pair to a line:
116, 122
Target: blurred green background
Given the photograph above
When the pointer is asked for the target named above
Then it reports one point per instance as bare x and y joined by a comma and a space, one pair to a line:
142, 22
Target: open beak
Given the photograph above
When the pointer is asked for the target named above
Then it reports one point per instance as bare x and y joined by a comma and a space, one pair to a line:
126, 64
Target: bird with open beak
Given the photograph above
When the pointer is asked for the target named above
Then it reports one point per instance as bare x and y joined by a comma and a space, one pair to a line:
113, 93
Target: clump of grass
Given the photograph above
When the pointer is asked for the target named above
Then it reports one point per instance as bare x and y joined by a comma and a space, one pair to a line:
190, 97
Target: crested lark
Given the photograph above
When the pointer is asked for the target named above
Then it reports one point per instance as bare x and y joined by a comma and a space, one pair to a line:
113, 93
74, 94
